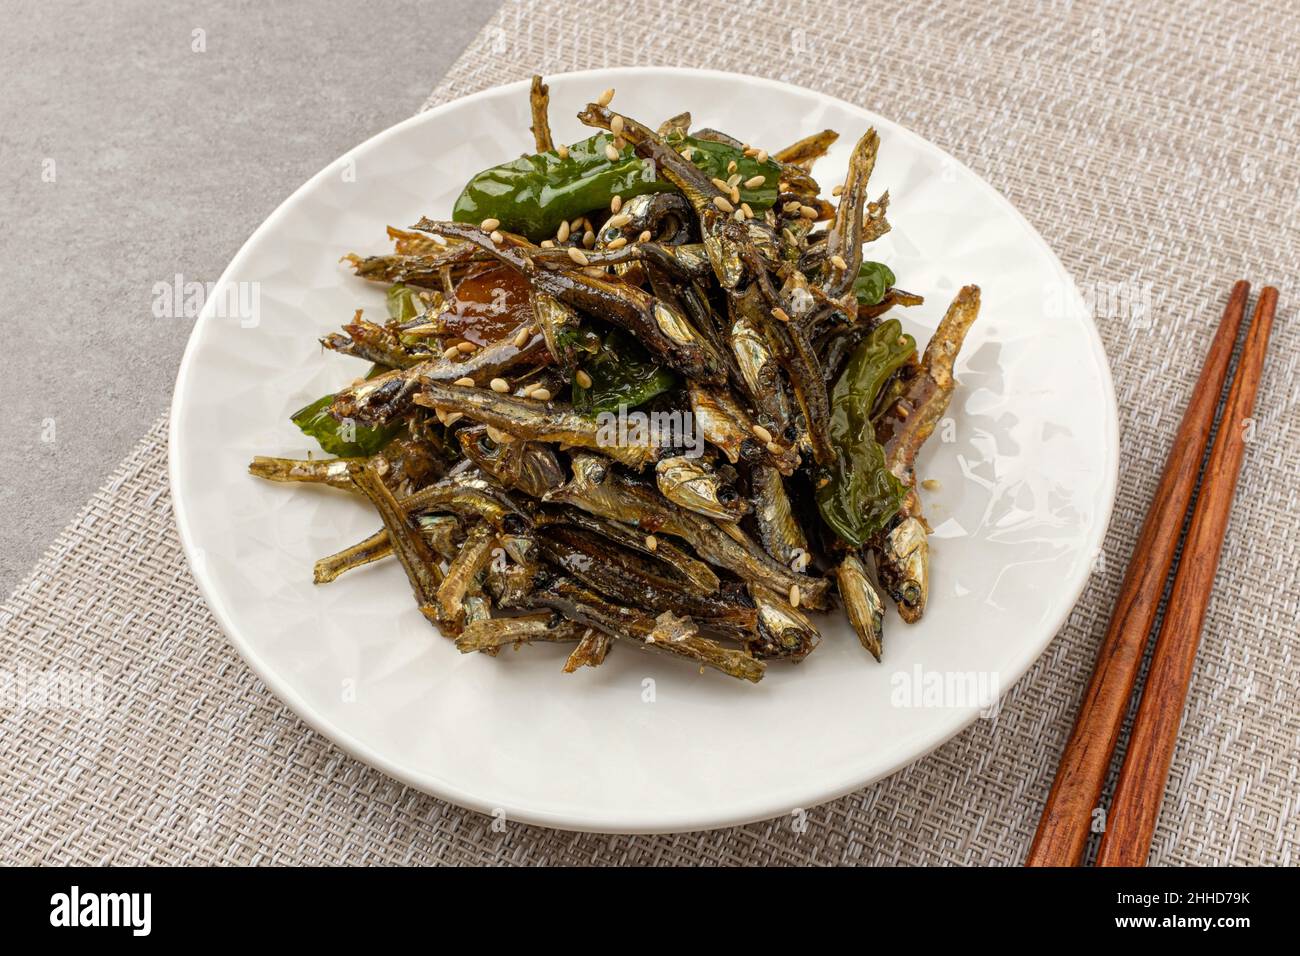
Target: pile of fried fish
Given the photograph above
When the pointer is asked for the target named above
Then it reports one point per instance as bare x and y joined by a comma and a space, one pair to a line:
642, 389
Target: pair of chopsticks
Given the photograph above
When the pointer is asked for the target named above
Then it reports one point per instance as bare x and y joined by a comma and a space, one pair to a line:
1130, 821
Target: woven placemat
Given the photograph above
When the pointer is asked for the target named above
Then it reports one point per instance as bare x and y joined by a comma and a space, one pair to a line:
1154, 146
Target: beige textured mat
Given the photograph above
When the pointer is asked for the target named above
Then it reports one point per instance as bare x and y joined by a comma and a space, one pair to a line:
1152, 143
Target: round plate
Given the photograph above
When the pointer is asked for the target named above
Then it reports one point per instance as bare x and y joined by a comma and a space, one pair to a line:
1025, 465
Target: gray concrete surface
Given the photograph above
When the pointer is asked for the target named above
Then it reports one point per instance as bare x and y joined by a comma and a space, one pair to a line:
127, 155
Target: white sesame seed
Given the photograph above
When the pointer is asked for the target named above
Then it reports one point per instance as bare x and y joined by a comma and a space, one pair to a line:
499, 385
688, 153
605, 98
738, 215
761, 433
651, 542
618, 243
732, 180
521, 338
722, 204
611, 153
541, 394
578, 256
497, 237
562, 234
839, 263
619, 221
582, 378
616, 204
749, 213
774, 448
588, 238
644, 237
781, 314
464, 381
791, 207
547, 243
720, 183
616, 125
794, 595
753, 182
466, 347
488, 225
562, 151
450, 353
731, 166
838, 190
808, 212
761, 156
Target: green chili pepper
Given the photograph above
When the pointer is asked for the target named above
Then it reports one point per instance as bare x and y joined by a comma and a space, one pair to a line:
873, 281
621, 374
532, 195
345, 439
861, 494
403, 304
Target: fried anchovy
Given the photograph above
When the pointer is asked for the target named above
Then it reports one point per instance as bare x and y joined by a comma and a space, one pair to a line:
322, 471
693, 484
590, 652
464, 568
778, 531
594, 489
862, 604
806, 151
537, 421
539, 98
844, 238
667, 632
631, 578
784, 631
502, 631
529, 466
729, 428
418, 559
658, 326
691, 572
699, 190
374, 343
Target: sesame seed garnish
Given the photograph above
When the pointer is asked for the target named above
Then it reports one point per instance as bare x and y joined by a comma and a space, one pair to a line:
488, 225
452, 418
774, 448
839, 263
739, 215
616, 125
746, 149
791, 207
616, 204
596, 272
781, 314
605, 98
761, 433
582, 378
644, 237
838, 190
547, 243
464, 381
450, 353
794, 595
731, 166
788, 235
732, 180
576, 224
808, 212
496, 237
720, 183
588, 238
521, 338
619, 221
735, 194
541, 394
578, 256
562, 234
761, 156
722, 204
562, 151
498, 436
611, 153
753, 182
749, 213
688, 153
499, 385
618, 243
651, 542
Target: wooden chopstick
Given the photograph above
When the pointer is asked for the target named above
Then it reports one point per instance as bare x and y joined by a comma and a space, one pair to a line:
1140, 790
1063, 828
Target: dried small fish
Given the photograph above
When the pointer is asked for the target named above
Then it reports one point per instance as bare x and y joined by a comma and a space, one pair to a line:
862, 604
693, 484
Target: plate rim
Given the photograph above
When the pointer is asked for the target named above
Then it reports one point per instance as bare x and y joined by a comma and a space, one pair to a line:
633, 821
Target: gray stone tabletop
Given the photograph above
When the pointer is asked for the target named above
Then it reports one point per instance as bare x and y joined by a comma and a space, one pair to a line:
141, 141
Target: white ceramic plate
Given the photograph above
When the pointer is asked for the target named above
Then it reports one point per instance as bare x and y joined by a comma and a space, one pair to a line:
1027, 477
